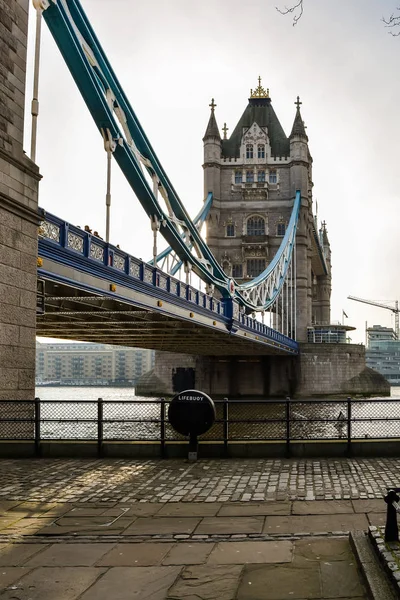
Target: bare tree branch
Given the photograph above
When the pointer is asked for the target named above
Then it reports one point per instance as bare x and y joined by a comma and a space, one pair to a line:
393, 22
292, 9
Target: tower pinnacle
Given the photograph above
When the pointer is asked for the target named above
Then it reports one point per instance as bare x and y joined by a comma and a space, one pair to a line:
299, 128
259, 92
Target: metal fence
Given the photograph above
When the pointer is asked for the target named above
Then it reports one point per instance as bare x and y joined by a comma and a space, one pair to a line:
237, 421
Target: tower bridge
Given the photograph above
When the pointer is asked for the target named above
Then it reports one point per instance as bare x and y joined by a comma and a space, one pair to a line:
263, 252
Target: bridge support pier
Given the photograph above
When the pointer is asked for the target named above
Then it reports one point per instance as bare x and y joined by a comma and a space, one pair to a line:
18, 219
321, 370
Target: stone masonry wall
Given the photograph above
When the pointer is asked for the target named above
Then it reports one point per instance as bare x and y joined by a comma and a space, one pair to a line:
337, 369
19, 179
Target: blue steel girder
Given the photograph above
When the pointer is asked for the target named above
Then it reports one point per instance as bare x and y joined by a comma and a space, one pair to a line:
124, 136
169, 252
78, 259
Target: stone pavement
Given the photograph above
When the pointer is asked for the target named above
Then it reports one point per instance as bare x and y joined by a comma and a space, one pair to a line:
128, 480
65, 546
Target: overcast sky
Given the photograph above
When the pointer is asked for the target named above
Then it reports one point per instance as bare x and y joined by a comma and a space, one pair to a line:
172, 57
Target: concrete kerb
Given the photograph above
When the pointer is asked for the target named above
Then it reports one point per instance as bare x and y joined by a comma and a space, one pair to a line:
376, 580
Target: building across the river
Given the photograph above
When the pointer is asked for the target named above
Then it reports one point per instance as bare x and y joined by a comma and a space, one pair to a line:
383, 352
90, 364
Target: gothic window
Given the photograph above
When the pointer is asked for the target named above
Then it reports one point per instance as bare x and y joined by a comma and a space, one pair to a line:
238, 176
237, 271
273, 177
249, 176
261, 151
281, 229
255, 266
230, 230
261, 176
249, 150
255, 226
226, 267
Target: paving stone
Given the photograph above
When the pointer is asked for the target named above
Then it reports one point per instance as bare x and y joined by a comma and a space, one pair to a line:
70, 555
280, 582
52, 584
194, 553
230, 525
93, 483
162, 525
254, 509
325, 507
89, 529
189, 509
377, 518
6, 505
135, 583
329, 549
11, 576
315, 523
369, 506
207, 583
135, 555
228, 553
341, 579
138, 509
32, 509
14, 555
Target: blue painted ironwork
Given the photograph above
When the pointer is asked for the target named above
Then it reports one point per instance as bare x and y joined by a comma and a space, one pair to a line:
132, 150
94, 256
199, 221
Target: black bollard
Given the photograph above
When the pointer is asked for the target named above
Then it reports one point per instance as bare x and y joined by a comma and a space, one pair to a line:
193, 447
391, 529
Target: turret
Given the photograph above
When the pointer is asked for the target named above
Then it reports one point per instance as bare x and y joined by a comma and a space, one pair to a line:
299, 153
212, 156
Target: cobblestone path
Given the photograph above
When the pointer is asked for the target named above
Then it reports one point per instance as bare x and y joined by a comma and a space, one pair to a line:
125, 480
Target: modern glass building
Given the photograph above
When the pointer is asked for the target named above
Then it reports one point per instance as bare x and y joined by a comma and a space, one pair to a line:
383, 352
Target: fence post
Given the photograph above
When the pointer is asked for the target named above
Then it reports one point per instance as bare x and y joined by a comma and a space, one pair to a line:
225, 416
100, 426
349, 448
287, 417
162, 427
37, 427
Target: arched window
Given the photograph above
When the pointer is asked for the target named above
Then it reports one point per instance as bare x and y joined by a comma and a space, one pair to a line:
255, 266
226, 267
230, 230
238, 176
249, 176
281, 229
255, 226
261, 176
249, 150
237, 271
261, 151
273, 177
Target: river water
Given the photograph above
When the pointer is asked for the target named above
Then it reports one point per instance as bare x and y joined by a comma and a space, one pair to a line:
141, 421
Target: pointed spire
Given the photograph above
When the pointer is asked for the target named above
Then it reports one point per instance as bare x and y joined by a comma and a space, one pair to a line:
299, 128
212, 127
323, 232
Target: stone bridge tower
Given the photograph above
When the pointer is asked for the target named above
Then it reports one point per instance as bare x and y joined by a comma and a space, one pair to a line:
253, 176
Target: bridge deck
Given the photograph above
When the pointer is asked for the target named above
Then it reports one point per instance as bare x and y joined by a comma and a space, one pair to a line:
76, 314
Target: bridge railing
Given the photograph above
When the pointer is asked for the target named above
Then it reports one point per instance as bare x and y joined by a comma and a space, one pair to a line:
79, 242
141, 421
80, 246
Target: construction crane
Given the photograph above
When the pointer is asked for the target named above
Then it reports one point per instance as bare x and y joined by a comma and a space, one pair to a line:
394, 310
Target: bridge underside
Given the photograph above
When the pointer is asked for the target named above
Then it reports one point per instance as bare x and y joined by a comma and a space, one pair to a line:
83, 315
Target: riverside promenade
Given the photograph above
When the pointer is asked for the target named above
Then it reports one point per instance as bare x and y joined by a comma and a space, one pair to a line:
74, 529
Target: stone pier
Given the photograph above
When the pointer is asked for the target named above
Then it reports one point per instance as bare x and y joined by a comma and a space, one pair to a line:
19, 220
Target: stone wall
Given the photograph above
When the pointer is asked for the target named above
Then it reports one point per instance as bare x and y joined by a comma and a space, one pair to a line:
19, 179
337, 369
320, 370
